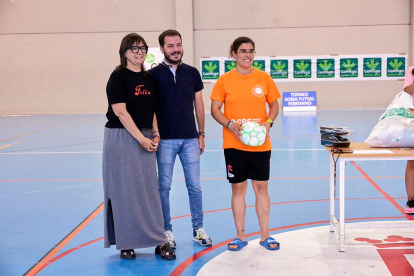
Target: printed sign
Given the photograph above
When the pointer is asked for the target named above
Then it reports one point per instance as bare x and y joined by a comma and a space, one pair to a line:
395, 67
154, 57
279, 68
210, 70
369, 67
325, 68
259, 64
229, 65
372, 67
348, 67
302, 68
299, 101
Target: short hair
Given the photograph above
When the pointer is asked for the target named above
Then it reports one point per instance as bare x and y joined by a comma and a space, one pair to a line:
161, 38
127, 42
234, 47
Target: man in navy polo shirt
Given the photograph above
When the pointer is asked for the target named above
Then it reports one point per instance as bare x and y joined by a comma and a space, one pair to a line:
180, 90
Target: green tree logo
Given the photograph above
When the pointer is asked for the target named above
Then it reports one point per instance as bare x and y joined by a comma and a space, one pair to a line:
210, 67
372, 67
396, 64
256, 64
372, 64
302, 66
396, 67
325, 65
230, 65
327, 68
279, 66
348, 65
150, 58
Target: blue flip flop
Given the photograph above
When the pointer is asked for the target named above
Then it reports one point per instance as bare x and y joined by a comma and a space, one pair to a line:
237, 242
267, 242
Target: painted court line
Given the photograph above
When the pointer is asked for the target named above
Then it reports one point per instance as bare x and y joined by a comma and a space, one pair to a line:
51, 152
202, 178
6, 146
58, 257
46, 258
100, 152
27, 133
184, 265
61, 188
378, 188
68, 252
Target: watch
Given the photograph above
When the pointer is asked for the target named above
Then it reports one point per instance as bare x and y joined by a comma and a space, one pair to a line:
202, 133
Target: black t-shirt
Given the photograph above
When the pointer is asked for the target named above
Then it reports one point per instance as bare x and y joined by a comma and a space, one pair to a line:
175, 100
137, 91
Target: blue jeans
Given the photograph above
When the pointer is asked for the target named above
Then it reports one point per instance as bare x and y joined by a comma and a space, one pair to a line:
189, 152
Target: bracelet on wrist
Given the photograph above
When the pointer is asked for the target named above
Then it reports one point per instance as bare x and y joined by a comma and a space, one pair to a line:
229, 124
270, 121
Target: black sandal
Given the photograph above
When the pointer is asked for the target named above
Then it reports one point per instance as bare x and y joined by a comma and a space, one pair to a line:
165, 251
128, 254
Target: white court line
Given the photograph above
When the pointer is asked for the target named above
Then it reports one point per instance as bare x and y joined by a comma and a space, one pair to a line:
62, 188
48, 190
100, 152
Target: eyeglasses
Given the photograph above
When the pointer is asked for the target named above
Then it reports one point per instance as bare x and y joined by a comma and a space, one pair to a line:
135, 49
244, 51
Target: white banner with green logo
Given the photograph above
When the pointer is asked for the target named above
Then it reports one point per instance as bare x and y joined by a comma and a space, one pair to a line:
315, 68
153, 58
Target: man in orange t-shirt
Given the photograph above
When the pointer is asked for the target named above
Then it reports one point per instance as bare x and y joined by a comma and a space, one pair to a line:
244, 91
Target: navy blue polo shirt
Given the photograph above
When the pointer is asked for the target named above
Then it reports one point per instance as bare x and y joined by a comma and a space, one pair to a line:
174, 104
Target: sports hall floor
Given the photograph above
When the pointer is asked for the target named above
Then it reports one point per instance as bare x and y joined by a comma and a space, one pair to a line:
51, 204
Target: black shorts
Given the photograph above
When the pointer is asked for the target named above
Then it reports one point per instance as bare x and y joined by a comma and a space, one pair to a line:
242, 165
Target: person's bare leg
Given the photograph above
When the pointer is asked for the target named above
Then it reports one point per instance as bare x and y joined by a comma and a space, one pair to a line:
409, 179
263, 208
238, 206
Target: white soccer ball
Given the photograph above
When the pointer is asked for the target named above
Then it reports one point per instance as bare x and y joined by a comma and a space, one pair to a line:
253, 134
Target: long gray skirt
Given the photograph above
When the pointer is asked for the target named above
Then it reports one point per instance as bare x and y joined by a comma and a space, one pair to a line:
132, 214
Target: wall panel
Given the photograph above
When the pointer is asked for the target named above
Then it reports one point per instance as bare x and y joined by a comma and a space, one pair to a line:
55, 73
261, 14
49, 16
56, 56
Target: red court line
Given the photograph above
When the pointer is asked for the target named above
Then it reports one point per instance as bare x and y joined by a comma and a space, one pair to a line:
43, 261
387, 196
68, 252
287, 202
218, 178
213, 211
27, 133
181, 267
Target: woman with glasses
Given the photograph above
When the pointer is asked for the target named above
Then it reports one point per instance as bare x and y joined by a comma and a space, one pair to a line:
132, 214
245, 91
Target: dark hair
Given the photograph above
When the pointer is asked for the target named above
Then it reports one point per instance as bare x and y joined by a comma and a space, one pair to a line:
127, 42
161, 38
237, 43
412, 72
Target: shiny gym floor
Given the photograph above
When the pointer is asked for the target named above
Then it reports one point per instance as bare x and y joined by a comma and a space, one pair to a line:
51, 204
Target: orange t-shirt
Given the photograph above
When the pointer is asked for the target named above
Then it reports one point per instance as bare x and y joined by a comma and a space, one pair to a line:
245, 98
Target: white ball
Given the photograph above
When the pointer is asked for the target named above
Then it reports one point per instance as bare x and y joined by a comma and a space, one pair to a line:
253, 134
